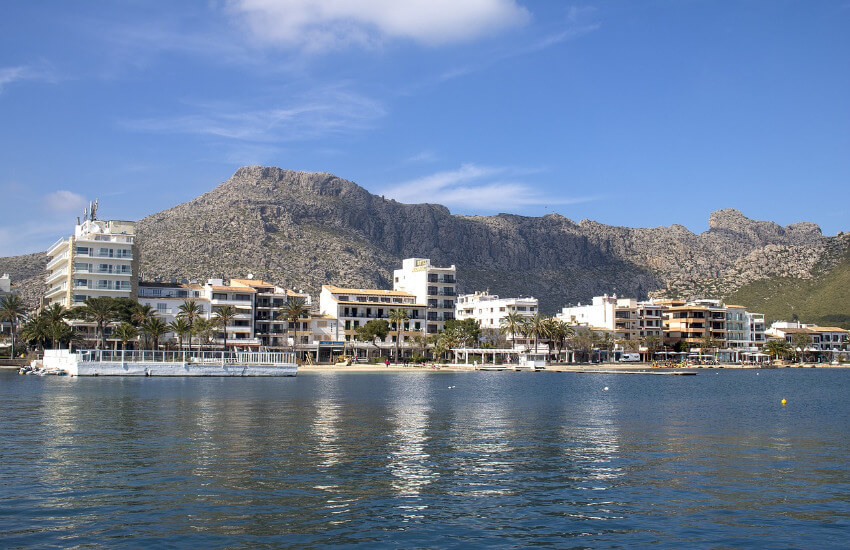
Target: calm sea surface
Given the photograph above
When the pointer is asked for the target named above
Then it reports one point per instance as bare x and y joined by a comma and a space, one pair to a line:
428, 460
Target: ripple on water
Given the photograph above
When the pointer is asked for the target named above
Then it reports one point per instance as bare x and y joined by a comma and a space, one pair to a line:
373, 460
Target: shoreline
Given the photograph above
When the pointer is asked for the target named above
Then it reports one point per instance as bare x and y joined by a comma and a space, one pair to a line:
594, 367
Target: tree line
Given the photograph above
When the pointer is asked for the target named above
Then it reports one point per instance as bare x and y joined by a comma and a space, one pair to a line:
129, 321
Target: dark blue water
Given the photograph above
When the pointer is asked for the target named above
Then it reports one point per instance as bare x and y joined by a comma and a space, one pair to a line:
403, 460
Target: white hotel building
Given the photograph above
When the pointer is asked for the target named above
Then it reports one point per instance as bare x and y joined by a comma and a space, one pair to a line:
354, 307
489, 310
99, 259
436, 287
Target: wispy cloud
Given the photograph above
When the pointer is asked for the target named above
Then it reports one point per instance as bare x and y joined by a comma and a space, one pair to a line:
320, 25
64, 201
9, 75
328, 112
576, 25
475, 188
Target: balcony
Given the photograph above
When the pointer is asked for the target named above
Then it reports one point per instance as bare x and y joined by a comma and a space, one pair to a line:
56, 260
105, 238
56, 244
55, 275
57, 289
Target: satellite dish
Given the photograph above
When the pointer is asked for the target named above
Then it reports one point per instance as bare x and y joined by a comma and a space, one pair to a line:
250, 276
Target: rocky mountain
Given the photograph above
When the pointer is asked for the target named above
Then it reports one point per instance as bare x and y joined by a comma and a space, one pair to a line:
305, 229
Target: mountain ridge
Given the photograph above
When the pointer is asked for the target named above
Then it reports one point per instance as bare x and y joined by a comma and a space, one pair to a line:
304, 229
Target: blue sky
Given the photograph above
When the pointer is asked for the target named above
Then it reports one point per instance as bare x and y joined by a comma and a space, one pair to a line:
629, 113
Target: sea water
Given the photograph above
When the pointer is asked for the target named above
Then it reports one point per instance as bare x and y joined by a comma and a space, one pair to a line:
428, 459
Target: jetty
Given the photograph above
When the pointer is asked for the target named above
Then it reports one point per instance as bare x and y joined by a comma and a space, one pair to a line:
170, 363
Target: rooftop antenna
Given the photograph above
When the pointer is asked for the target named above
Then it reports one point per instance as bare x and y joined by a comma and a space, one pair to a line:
94, 210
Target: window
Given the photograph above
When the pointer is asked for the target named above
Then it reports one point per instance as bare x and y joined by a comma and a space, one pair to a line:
81, 282
160, 308
83, 250
219, 296
242, 297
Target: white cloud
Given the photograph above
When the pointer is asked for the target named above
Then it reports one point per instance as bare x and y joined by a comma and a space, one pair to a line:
328, 112
8, 75
64, 201
474, 188
328, 24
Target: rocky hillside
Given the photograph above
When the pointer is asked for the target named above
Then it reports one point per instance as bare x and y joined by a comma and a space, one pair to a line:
305, 229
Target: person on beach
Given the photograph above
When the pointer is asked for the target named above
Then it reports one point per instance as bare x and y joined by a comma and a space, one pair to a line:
387, 363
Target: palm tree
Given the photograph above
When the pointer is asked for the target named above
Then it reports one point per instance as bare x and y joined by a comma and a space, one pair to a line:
295, 309
558, 332
536, 327
36, 331
125, 332
191, 312
511, 325
223, 316
155, 327
12, 309
102, 311
398, 317
778, 348
142, 314
203, 329
180, 327
55, 316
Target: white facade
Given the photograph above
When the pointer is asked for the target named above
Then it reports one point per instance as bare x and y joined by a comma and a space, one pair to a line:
822, 338
627, 318
436, 287
489, 310
166, 299
99, 259
354, 307
5, 285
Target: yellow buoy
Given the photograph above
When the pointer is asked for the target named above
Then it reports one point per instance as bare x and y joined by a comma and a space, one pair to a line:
783, 401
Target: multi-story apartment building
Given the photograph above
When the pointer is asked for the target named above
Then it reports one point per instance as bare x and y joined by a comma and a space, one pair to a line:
436, 287
737, 327
5, 290
271, 328
627, 318
489, 310
240, 330
99, 259
822, 338
692, 322
354, 307
166, 299
755, 329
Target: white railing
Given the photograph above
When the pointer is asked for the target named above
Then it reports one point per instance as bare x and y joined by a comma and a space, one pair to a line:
57, 243
194, 357
56, 259
55, 274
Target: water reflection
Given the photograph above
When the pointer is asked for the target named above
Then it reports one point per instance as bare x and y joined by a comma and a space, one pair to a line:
409, 463
501, 459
